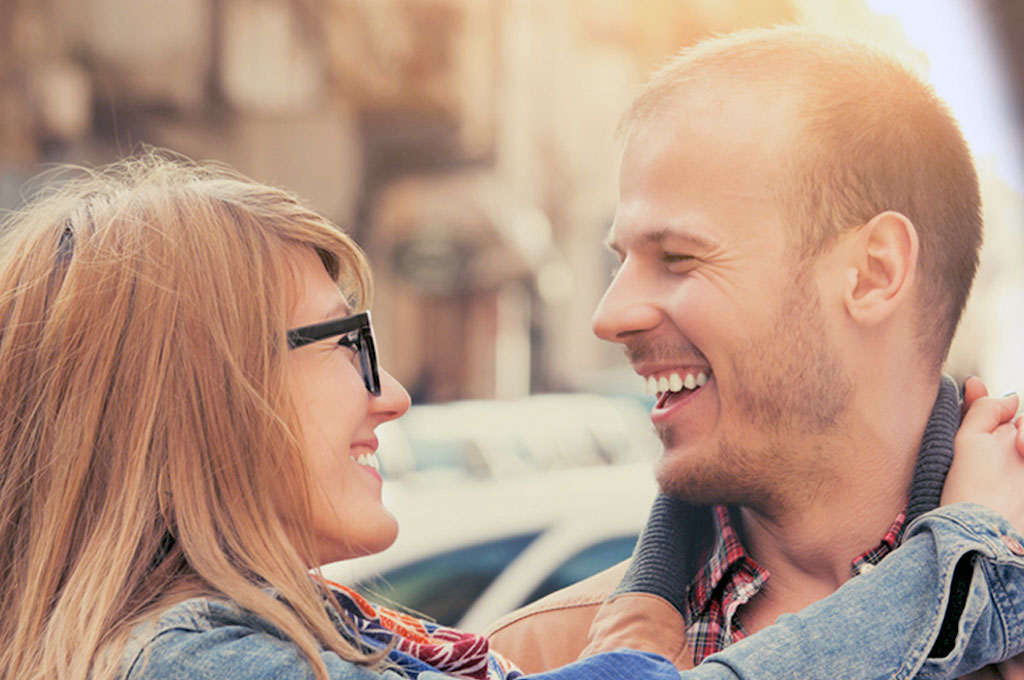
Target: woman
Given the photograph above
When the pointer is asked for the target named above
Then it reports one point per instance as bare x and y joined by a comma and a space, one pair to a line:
190, 391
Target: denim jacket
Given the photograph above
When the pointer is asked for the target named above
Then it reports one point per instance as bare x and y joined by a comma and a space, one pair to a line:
948, 601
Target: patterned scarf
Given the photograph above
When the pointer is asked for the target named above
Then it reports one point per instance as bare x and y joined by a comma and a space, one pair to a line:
421, 645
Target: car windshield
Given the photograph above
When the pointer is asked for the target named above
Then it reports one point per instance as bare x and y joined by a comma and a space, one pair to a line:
584, 564
443, 586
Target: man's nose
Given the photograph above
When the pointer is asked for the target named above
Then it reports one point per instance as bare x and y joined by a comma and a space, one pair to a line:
626, 307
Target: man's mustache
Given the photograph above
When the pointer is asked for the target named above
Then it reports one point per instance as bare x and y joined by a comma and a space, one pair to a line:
645, 350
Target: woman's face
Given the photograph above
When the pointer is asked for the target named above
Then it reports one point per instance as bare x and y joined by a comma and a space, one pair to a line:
337, 418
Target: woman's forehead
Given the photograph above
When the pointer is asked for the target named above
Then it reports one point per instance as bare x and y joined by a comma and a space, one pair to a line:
316, 295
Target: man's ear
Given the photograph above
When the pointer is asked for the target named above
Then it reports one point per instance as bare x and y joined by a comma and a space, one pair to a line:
882, 268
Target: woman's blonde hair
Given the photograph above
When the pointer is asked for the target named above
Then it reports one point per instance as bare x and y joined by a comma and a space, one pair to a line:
145, 428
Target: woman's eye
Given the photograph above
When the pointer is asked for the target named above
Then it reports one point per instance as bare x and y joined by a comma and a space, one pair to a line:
349, 347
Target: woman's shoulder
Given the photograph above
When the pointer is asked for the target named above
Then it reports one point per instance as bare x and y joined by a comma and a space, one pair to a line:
214, 639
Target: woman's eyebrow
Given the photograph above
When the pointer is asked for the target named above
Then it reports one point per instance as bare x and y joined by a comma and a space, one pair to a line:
336, 311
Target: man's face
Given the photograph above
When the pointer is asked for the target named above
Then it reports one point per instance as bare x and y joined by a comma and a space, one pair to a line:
711, 289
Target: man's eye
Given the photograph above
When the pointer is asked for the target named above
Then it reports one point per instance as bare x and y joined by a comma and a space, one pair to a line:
678, 263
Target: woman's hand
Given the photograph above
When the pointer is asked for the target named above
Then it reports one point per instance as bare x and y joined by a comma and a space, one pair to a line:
975, 389
988, 465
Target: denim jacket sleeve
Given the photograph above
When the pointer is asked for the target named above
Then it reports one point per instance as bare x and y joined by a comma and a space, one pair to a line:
213, 640
882, 624
885, 623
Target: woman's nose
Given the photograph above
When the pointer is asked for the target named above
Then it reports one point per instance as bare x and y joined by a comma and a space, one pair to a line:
393, 401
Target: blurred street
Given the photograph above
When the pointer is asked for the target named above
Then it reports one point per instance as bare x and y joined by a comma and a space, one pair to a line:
469, 145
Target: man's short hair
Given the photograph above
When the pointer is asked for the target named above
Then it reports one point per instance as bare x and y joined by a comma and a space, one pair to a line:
875, 137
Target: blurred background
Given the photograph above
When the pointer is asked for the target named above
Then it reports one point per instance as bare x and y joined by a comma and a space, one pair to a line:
469, 147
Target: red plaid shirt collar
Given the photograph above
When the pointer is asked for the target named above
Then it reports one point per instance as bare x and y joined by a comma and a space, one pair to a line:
730, 577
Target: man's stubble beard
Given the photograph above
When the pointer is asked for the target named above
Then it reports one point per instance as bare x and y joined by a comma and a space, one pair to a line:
790, 388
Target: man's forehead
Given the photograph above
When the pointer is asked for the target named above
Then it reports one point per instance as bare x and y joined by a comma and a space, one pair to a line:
751, 114
699, 183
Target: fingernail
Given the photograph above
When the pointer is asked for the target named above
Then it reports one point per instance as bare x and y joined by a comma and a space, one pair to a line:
963, 385
1010, 393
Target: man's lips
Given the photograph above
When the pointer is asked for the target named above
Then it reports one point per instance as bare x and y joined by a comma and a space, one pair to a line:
669, 401
675, 380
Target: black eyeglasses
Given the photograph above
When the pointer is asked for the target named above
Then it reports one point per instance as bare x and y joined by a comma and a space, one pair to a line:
356, 331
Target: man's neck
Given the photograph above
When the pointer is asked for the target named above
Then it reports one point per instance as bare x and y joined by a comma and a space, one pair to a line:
808, 541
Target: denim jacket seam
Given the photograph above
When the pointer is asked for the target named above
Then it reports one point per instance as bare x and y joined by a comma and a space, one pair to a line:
973, 533
916, 659
1005, 609
963, 536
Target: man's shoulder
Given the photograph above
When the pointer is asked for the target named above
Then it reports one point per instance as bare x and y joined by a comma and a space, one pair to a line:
552, 631
582, 594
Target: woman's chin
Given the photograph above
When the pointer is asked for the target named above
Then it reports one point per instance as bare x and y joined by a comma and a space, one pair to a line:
368, 541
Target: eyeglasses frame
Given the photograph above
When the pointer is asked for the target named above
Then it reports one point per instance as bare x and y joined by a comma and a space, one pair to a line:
365, 344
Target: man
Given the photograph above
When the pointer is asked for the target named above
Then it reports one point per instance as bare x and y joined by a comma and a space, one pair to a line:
797, 230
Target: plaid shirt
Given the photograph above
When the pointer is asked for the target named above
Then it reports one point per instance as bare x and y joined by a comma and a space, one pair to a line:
730, 577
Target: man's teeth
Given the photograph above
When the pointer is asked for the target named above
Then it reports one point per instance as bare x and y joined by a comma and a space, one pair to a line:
367, 459
675, 383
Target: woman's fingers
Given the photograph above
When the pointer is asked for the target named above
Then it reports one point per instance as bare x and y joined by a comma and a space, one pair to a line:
974, 389
988, 465
1020, 434
987, 413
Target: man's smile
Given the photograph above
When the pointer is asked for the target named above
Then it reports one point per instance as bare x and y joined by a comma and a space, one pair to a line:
674, 380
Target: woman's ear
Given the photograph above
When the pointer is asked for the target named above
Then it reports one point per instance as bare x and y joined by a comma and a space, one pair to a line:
882, 269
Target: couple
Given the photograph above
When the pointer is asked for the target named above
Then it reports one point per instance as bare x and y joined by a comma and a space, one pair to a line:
189, 382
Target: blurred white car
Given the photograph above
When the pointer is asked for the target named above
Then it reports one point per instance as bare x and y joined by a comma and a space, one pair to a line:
470, 552
501, 439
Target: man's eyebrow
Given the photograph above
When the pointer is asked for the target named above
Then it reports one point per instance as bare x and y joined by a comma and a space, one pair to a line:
671, 234
658, 237
609, 244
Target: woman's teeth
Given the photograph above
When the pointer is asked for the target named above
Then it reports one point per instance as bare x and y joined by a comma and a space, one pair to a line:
673, 382
367, 459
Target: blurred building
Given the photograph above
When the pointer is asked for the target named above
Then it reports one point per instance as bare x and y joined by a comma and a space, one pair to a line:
467, 144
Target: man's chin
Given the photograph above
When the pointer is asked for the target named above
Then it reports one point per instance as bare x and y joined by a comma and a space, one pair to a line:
681, 481
694, 494
690, 479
